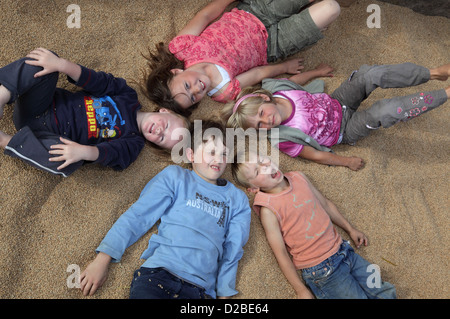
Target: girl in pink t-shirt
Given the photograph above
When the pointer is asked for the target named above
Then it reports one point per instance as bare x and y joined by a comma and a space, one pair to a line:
311, 123
219, 58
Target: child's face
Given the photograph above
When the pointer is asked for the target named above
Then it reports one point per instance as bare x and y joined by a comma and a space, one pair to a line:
157, 127
188, 87
261, 173
209, 159
268, 116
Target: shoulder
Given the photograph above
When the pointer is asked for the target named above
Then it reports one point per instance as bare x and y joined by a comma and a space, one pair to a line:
173, 170
240, 194
297, 177
181, 42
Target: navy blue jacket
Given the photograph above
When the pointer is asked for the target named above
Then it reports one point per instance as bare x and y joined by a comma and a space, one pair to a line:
102, 114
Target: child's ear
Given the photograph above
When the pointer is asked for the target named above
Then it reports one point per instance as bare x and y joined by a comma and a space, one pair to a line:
176, 71
190, 154
253, 190
164, 110
265, 97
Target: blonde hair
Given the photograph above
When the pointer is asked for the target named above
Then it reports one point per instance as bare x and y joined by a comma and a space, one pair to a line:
248, 107
240, 159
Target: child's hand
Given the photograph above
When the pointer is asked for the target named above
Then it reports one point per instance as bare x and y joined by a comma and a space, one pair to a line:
95, 274
46, 59
355, 163
72, 152
324, 70
358, 238
294, 66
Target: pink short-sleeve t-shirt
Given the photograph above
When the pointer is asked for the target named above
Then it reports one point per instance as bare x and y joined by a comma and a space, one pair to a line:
237, 42
317, 115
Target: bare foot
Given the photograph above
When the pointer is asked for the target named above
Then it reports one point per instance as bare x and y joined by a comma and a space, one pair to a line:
4, 139
440, 73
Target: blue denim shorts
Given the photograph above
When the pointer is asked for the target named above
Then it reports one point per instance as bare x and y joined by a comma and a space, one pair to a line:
158, 283
346, 275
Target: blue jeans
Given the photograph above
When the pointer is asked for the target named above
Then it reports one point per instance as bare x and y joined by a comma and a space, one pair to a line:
158, 283
346, 275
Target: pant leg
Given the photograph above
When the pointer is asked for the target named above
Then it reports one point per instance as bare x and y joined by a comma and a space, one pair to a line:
32, 147
32, 96
362, 82
369, 278
289, 28
270, 12
387, 112
158, 283
332, 279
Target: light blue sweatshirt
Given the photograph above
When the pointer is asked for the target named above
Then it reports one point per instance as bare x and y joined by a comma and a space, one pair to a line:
201, 235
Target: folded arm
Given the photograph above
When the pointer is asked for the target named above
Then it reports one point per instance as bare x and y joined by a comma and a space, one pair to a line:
257, 74
50, 63
328, 158
204, 17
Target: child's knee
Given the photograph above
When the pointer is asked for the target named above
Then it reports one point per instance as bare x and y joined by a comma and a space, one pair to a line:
324, 13
332, 9
385, 113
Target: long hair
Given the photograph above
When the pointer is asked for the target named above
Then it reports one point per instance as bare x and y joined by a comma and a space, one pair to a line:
156, 79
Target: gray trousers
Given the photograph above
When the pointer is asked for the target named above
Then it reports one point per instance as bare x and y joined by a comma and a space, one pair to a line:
289, 25
383, 113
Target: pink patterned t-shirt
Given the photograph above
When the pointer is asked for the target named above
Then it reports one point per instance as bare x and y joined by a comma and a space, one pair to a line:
317, 115
237, 42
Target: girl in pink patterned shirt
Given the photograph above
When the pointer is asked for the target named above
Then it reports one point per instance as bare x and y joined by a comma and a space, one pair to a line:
311, 123
218, 59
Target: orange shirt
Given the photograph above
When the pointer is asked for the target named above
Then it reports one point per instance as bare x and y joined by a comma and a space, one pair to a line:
308, 232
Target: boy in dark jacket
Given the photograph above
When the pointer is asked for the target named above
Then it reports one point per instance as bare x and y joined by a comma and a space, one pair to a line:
101, 124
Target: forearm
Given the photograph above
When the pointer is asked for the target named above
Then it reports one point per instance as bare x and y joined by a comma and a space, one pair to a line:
103, 259
204, 17
259, 73
326, 158
90, 153
71, 69
336, 217
329, 158
305, 77
289, 271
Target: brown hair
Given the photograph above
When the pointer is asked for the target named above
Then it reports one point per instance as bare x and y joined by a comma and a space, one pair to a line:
156, 80
206, 124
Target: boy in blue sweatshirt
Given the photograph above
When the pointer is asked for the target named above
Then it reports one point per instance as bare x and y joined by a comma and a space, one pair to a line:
205, 222
60, 130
